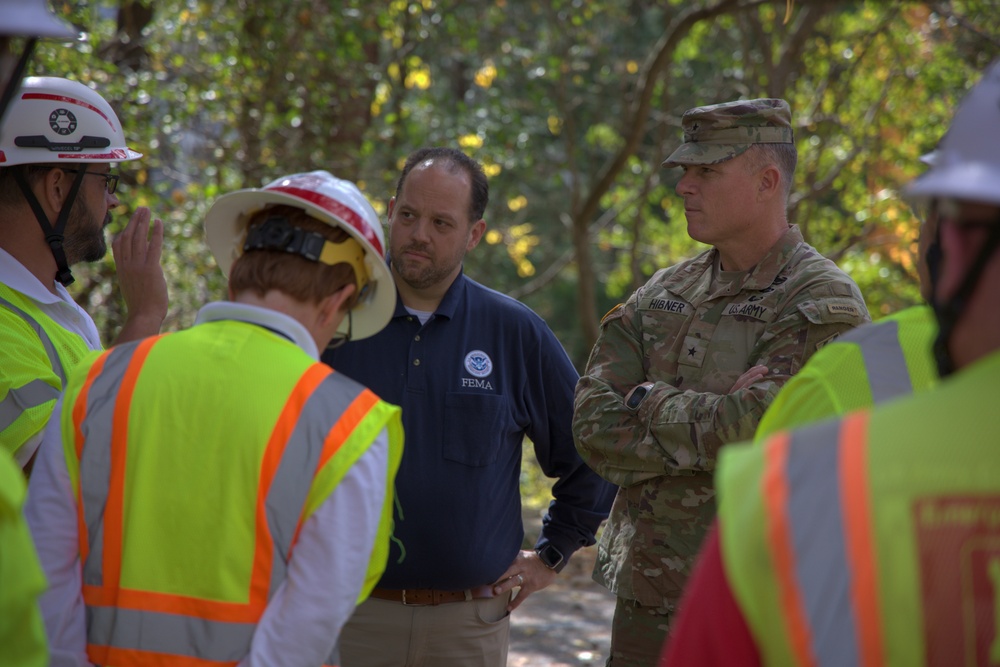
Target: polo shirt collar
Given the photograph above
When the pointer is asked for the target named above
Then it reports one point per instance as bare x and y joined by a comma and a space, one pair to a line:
279, 323
14, 275
449, 303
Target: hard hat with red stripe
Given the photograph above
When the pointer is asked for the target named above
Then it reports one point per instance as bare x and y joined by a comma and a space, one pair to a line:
53, 120
332, 200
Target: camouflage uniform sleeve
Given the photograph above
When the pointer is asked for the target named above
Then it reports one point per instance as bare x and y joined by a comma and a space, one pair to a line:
674, 430
611, 438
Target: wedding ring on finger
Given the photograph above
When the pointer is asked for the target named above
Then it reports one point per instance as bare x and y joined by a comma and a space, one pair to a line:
520, 580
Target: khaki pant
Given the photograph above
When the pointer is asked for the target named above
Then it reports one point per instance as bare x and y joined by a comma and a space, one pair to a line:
637, 634
383, 633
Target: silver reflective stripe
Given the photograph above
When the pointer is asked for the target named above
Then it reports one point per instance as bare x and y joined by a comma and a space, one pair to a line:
19, 399
823, 571
177, 634
287, 494
50, 348
885, 362
36, 392
172, 634
95, 462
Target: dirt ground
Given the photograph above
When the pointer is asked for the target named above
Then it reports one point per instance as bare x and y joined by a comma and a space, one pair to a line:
566, 625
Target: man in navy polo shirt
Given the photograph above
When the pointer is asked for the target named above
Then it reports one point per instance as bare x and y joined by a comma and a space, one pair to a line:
475, 372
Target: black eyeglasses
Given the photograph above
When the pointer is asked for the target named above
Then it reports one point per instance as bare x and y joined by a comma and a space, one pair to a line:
111, 180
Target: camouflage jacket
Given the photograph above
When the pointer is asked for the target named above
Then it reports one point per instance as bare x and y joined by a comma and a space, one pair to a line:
693, 334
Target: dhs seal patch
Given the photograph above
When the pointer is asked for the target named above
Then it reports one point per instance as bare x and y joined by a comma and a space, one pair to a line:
478, 363
62, 122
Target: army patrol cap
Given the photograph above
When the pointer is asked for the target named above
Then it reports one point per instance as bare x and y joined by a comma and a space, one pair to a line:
720, 132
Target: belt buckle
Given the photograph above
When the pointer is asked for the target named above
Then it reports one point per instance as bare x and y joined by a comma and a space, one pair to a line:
411, 604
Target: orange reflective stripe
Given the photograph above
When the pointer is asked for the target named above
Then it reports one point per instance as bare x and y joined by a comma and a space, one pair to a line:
113, 512
80, 407
127, 598
111, 594
260, 581
355, 412
860, 548
775, 487
123, 657
79, 412
341, 431
128, 627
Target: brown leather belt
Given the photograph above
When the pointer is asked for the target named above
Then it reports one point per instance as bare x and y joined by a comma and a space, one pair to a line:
431, 597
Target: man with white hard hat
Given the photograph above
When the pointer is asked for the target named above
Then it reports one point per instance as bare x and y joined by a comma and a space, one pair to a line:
58, 143
874, 539
22, 634
218, 495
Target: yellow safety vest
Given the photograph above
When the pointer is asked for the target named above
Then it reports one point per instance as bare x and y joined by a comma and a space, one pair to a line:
195, 458
22, 633
866, 366
35, 354
875, 539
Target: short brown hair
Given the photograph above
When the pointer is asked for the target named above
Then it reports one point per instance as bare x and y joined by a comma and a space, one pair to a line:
783, 156
260, 271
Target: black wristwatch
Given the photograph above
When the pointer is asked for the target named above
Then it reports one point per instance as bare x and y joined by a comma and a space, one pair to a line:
550, 556
634, 397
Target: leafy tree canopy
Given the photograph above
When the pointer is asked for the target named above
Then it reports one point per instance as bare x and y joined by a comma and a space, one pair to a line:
571, 105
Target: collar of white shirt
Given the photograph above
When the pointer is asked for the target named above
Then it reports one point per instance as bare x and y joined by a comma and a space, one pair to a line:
271, 319
16, 276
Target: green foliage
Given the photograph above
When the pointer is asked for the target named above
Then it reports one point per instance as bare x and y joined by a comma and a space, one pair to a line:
223, 94
536, 488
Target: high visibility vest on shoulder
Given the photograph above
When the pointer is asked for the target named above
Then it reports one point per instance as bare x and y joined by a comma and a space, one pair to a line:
875, 539
22, 633
35, 353
195, 458
866, 366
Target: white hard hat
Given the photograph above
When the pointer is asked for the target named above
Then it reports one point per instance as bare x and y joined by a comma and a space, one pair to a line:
967, 161
52, 119
325, 197
32, 18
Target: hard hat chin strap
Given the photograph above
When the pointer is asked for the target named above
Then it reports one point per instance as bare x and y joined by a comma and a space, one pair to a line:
15, 77
54, 235
339, 340
949, 313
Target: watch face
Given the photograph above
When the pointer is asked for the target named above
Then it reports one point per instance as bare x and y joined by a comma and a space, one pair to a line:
635, 398
550, 556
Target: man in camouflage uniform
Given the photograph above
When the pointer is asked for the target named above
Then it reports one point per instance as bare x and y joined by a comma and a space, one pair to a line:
693, 358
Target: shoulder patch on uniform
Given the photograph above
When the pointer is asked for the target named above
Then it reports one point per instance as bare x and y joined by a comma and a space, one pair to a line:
613, 314
843, 309
834, 310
